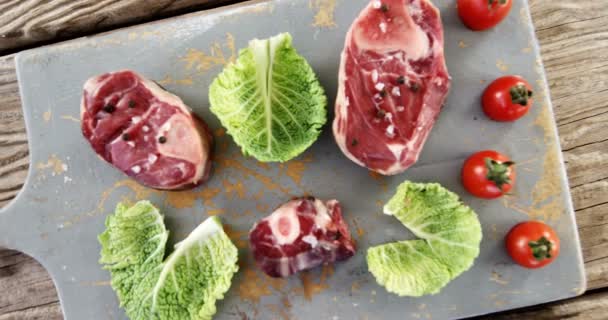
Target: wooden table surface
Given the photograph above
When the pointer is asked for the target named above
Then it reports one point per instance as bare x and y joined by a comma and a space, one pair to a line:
574, 42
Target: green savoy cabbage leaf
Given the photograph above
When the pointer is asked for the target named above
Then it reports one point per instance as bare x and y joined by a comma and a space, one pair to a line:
270, 100
449, 232
185, 285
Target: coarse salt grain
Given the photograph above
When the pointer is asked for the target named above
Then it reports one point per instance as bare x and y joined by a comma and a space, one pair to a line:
145, 128
152, 158
377, 4
311, 240
390, 131
136, 120
382, 26
64, 167
136, 169
375, 75
396, 92
388, 116
131, 144
379, 86
400, 108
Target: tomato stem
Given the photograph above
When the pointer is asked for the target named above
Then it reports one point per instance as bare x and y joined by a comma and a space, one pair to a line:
541, 248
492, 2
498, 172
520, 94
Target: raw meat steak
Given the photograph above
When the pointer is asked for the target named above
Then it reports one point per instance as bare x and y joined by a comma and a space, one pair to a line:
393, 82
144, 131
301, 234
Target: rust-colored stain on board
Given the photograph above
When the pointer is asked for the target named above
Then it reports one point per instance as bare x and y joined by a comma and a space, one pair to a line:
237, 236
262, 207
501, 65
46, 116
324, 16
360, 231
219, 54
55, 164
263, 165
188, 198
182, 199
295, 169
545, 202
381, 180
208, 194
96, 283
282, 310
139, 193
524, 19
219, 132
496, 277
227, 162
375, 175
215, 212
70, 118
255, 285
545, 195
234, 189
310, 287
168, 80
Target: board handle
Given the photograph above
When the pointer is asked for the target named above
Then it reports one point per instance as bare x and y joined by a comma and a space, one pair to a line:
17, 229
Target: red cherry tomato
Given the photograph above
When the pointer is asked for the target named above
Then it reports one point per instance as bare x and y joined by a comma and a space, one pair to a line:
488, 174
480, 15
532, 244
507, 99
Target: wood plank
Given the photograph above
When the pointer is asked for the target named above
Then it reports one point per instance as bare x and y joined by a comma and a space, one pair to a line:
35, 288
575, 55
573, 36
50, 311
14, 158
592, 306
25, 23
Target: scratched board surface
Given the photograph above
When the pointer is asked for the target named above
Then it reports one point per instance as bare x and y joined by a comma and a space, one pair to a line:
69, 190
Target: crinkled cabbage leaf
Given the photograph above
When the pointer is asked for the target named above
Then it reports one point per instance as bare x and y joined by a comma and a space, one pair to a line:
449, 232
270, 100
185, 285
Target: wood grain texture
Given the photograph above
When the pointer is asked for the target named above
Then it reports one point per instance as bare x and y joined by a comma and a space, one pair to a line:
25, 23
592, 306
574, 43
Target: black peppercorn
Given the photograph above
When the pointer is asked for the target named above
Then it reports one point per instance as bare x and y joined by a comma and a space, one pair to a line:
414, 87
109, 108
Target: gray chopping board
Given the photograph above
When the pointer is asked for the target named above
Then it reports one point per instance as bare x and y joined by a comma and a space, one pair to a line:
69, 190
